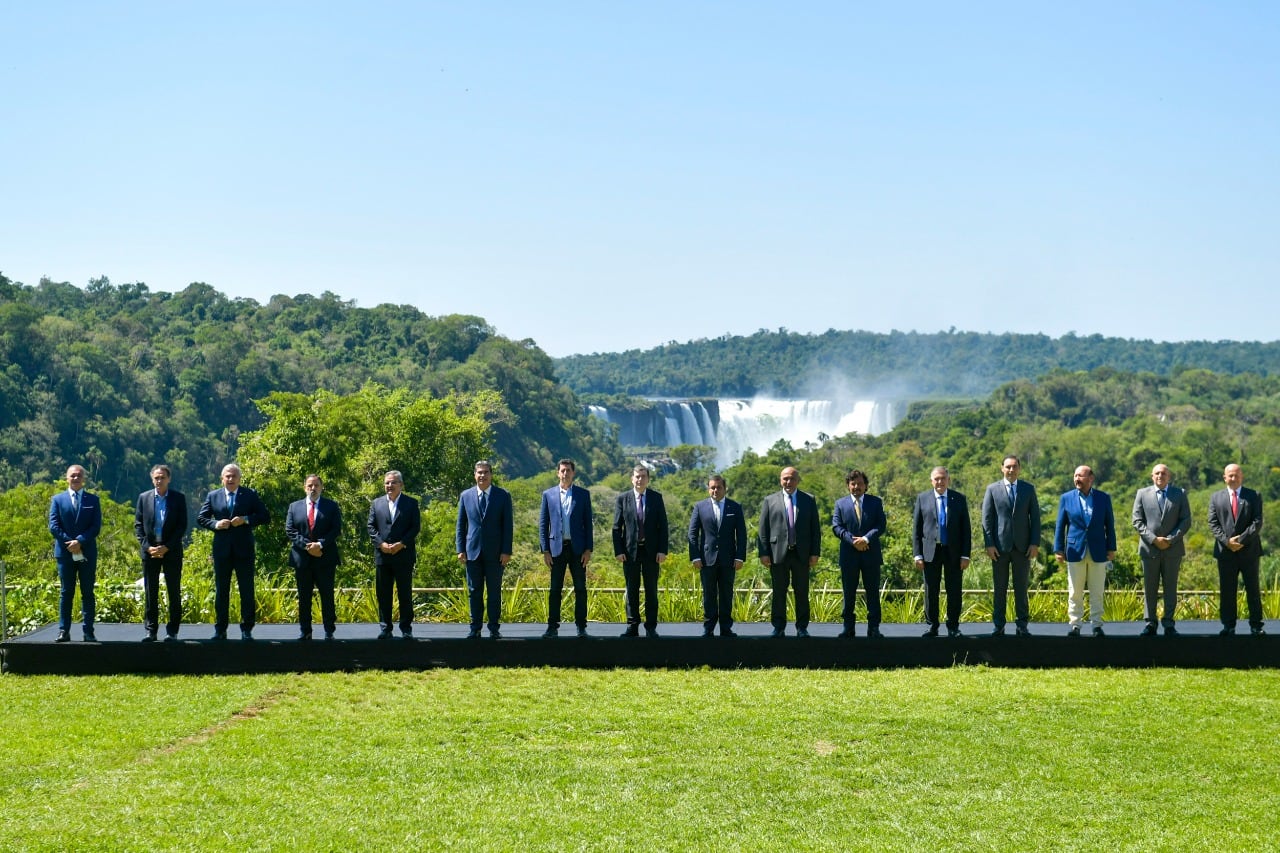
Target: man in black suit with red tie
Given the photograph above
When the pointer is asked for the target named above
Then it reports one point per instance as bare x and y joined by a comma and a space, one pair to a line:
641, 539
312, 526
394, 523
231, 513
717, 549
160, 524
1235, 519
942, 539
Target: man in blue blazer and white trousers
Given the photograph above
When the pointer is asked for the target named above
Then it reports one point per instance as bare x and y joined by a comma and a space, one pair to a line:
1085, 539
75, 519
484, 535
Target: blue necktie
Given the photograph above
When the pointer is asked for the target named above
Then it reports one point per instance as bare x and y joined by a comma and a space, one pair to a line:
942, 519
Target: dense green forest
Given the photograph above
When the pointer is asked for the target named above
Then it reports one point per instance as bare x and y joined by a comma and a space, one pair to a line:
117, 377
904, 364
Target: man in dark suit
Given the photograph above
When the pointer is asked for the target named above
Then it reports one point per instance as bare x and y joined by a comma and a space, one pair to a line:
858, 521
160, 524
1011, 535
717, 549
566, 539
1162, 517
484, 534
789, 542
312, 527
394, 523
941, 540
1085, 539
1235, 520
231, 513
75, 519
641, 540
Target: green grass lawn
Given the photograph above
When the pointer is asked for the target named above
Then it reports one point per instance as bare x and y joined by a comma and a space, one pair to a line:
959, 759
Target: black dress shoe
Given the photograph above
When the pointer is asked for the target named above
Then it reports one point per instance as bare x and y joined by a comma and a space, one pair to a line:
582, 633
651, 632
802, 632
171, 638
1098, 632
1171, 631
407, 636
384, 634
1074, 632
998, 632
846, 634
220, 634
1227, 632
1257, 632
495, 634
932, 632
707, 632
303, 637
728, 632
328, 635
246, 633
63, 637
1149, 631
1024, 632
150, 637
89, 636
874, 634
550, 633
954, 632
632, 631
778, 632
473, 634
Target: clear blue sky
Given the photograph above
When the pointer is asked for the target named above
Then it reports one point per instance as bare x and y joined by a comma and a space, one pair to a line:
601, 176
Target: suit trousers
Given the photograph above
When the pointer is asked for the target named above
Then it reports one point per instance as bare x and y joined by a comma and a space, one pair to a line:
484, 576
313, 574
1231, 567
643, 568
399, 577
870, 575
1019, 564
1087, 572
572, 560
934, 573
151, 569
717, 596
793, 571
69, 572
222, 569
1160, 567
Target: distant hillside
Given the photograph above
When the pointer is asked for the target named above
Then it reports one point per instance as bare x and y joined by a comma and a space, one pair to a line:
118, 377
788, 364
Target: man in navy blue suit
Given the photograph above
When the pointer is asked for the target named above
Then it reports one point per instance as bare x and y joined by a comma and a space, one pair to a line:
858, 521
717, 549
160, 525
641, 538
566, 539
75, 518
942, 538
312, 526
231, 513
1085, 539
484, 535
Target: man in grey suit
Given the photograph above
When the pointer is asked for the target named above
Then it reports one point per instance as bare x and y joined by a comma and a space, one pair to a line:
1011, 535
1235, 519
789, 541
1162, 517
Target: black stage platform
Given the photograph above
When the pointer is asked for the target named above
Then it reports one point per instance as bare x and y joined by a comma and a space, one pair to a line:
356, 647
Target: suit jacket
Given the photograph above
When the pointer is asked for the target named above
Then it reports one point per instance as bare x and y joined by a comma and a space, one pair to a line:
845, 524
717, 544
490, 536
234, 541
1007, 528
550, 535
1173, 521
66, 524
1248, 526
405, 528
173, 530
1075, 537
328, 526
626, 527
924, 526
772, 532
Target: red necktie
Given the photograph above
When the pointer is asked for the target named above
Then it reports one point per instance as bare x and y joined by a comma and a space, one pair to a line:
311, 516
1235, 504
